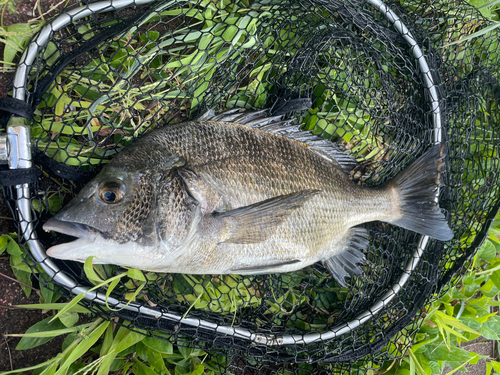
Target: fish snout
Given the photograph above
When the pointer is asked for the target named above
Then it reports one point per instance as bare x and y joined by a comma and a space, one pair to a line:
77, 230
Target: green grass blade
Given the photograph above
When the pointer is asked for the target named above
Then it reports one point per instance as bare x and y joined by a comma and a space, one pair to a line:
54, 306
26, 369
82, 347
53, 333
477, 34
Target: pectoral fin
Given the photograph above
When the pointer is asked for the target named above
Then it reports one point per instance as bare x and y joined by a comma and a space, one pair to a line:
259, 221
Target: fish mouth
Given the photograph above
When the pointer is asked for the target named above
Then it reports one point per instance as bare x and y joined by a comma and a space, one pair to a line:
72, 229
84, 234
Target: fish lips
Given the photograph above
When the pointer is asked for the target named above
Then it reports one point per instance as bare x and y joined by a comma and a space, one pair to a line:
85, 235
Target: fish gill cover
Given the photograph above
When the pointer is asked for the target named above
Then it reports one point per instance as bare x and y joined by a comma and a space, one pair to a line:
109, 75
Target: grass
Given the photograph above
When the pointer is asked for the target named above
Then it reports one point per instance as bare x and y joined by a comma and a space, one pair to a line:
464, 313
223, 33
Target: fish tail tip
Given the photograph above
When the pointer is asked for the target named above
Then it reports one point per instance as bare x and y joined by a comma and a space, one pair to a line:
417, 187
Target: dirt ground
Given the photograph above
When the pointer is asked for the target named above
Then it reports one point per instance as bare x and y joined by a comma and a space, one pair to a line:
19, 320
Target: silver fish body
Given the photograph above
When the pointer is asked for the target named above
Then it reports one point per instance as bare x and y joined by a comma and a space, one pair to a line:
224, 195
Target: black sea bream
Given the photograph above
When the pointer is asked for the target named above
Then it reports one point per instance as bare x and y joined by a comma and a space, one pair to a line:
240, 194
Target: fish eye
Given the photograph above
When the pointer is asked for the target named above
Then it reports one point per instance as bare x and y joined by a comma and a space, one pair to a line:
112, 192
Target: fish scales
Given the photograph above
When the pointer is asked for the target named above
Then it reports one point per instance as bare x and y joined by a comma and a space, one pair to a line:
231, 198
269, 168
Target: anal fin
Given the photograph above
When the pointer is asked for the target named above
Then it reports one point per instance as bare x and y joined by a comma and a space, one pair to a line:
345, 263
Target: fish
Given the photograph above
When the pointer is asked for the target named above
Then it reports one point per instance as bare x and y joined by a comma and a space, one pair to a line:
241, 192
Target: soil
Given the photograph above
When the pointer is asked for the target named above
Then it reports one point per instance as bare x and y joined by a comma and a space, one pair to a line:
18, 321
14, 320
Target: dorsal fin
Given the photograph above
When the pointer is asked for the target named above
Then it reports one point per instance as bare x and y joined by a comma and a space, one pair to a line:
206, 116
276, 124
325, 147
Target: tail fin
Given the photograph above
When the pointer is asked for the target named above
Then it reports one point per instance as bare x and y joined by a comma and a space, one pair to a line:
417, 186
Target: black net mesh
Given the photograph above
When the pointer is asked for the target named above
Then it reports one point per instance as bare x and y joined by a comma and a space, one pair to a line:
109, 75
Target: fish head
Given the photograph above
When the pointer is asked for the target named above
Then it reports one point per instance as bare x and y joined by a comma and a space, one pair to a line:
114, 217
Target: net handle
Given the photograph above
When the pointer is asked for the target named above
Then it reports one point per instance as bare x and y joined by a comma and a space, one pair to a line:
24, 204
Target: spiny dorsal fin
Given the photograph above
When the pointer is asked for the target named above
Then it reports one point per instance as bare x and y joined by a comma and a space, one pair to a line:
275, 124
206, 116
259, 221
344, 264
329, 149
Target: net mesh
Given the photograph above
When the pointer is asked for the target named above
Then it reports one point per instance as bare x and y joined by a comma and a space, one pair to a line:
172, 60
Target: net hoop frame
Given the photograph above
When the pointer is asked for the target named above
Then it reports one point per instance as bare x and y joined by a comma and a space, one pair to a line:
23, 205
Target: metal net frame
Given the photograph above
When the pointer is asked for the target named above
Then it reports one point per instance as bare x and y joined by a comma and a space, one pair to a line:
383, 80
